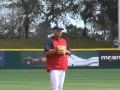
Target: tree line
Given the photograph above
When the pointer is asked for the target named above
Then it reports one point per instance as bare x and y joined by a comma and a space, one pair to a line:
101, 15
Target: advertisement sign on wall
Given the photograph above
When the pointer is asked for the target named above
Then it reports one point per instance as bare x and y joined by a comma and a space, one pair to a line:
101, 58
84, 58
78, 58
109, 58
2, 59
29, 59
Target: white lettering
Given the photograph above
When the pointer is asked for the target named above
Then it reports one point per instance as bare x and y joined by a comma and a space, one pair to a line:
110, 57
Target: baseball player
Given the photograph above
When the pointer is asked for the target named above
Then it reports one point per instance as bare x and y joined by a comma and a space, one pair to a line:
56, 51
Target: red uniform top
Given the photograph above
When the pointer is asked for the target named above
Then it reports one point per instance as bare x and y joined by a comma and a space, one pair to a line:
57, 61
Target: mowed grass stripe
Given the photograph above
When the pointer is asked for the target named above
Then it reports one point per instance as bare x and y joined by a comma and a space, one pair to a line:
93, 79
76, 79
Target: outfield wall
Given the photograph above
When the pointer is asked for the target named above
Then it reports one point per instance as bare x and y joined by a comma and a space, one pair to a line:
90, 58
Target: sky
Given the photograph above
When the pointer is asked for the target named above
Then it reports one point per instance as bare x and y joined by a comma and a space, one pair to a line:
76, 22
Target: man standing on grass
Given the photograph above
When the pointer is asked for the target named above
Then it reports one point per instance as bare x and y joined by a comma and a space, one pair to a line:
57, 51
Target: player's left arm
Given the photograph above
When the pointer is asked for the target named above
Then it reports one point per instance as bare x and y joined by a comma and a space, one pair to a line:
68, 50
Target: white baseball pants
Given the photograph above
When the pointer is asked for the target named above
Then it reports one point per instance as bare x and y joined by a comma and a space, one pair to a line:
57, 79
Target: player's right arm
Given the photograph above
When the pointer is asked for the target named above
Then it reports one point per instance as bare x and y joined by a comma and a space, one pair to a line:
51, 51
48, 49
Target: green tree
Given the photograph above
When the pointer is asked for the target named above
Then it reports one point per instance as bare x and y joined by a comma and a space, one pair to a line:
101, 14
29, 10
74, 32
51, 11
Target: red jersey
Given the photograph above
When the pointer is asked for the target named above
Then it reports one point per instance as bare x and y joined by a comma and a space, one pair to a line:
57, 61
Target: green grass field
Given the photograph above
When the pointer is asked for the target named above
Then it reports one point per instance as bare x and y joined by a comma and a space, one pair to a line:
76, 79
